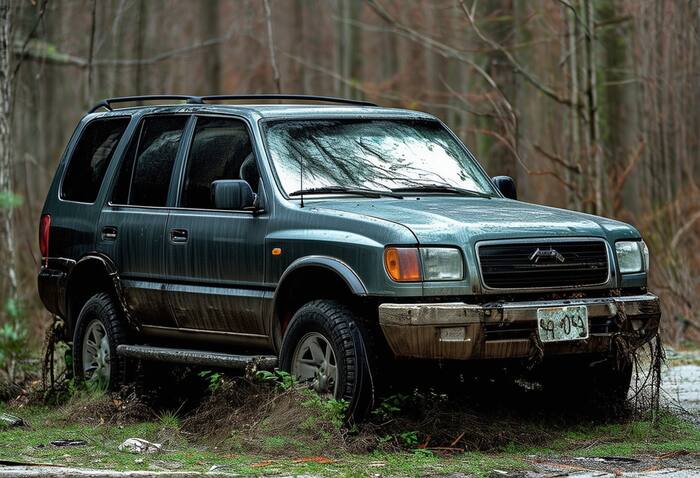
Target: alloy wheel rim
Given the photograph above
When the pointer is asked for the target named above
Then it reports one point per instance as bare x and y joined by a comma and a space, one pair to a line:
96, 356
314, 362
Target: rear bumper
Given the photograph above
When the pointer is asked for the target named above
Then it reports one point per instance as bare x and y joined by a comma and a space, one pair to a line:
51, 285
462, 331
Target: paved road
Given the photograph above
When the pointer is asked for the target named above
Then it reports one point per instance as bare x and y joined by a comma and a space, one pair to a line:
682, 385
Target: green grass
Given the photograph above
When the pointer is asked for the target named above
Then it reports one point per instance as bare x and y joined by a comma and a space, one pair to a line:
33, 445
625, 439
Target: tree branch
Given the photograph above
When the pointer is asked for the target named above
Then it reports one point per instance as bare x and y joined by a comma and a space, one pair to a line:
442, 48
31, 33
547, 91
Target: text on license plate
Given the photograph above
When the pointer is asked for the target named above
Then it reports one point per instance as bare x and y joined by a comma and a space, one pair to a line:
556, 324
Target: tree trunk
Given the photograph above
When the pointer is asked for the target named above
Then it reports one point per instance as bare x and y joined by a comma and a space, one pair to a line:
212, 60
593, 127
7, 249
574, 115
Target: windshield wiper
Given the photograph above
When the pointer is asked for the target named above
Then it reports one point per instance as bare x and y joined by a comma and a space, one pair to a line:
370, 193
440, 188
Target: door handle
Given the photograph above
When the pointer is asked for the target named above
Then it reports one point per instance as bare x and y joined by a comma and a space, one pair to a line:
178, 235
109, 233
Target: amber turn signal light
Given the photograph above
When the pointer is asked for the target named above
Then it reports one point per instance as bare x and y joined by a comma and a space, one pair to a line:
402, 263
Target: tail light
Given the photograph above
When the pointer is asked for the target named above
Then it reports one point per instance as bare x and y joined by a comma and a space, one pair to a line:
44, 227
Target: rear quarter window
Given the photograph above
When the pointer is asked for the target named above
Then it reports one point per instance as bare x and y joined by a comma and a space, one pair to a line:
88, 164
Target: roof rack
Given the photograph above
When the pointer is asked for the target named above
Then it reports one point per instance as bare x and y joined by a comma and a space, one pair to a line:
199, 100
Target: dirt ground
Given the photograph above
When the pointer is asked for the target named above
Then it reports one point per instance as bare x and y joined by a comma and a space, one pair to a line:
681, 395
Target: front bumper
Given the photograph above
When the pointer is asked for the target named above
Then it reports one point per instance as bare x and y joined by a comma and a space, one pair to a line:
461, 331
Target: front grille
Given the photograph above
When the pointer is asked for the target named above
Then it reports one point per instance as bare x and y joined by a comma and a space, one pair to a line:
557, 264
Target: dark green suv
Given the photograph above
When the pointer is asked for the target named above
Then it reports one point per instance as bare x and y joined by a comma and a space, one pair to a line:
341, 239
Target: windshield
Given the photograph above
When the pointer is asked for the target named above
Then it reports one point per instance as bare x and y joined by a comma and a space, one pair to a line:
376, 154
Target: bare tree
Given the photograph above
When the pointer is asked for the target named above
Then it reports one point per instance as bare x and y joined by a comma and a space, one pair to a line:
7, 249
590, 104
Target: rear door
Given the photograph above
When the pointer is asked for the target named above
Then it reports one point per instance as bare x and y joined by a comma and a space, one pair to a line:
214, 258
132, 224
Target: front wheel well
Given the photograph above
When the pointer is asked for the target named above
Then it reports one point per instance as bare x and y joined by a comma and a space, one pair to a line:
304, 285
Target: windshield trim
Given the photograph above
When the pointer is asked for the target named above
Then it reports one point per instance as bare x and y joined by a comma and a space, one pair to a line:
262, 128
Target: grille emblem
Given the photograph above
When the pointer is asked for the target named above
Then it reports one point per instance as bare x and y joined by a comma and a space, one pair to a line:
546, 254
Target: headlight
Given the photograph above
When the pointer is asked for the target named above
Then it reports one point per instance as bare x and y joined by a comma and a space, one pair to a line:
632, 256
441, 263
413, 264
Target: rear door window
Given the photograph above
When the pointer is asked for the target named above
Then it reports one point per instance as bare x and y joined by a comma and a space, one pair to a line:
221, 149
91, 156
144, 177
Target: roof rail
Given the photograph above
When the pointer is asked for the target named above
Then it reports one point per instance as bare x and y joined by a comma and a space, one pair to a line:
198, 100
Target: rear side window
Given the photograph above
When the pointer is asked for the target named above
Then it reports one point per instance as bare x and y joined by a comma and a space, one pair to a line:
221, 149
88, 164
144, 176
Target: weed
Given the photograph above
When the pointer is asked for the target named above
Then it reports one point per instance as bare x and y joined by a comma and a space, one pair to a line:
13, 345
390, 406
334, 411
169, 419
213, 379
409, 439
283, 380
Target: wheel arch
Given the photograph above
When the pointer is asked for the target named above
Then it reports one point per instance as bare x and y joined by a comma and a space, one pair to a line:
299, 284
93, 273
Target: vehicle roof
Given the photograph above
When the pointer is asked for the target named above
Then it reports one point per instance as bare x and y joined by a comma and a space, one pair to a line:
264, 111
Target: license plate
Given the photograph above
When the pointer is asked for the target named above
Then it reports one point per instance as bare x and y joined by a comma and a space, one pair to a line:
558, 324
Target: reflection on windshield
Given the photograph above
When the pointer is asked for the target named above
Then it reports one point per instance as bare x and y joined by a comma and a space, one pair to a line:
374, 154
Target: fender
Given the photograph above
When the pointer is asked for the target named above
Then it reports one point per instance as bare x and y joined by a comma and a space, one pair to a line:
351, 278
344, 271
111, 269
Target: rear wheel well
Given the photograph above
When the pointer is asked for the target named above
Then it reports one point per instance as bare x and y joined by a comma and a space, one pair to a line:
302, 286
87, 279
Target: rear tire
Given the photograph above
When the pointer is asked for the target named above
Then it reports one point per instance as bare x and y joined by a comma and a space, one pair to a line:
98, 331
328, 335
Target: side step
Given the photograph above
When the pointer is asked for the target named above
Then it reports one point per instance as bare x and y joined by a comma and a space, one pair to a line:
197, 357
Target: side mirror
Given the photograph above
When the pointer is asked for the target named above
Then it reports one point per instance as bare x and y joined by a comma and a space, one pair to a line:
232, 194
506, 185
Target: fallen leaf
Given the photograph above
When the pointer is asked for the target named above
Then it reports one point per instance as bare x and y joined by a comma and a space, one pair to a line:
456, 440
426, 443
313, 459
261, 464
672, 454
617, 471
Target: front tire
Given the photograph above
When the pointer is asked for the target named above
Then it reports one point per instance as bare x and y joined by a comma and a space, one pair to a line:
325, 347
98, 331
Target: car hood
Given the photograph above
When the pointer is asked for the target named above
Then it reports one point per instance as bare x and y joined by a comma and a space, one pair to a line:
459, 220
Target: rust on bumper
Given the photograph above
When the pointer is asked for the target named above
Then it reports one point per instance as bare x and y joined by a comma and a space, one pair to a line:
461, 331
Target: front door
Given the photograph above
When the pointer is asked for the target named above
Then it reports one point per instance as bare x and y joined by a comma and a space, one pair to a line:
214, 258
132, 225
